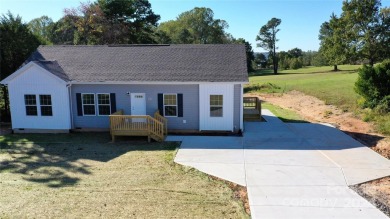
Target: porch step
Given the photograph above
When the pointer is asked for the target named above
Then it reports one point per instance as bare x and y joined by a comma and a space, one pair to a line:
156, 138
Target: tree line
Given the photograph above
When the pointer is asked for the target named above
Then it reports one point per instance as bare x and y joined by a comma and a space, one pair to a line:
359, 35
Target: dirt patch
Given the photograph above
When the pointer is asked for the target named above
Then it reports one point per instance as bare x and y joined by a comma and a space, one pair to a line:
239, 192
377, 192
315, 110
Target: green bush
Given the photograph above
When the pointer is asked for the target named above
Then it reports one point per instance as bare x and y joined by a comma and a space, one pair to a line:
295, 63
373, 85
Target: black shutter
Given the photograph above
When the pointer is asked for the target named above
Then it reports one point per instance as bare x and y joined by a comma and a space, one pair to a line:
180, 105
79, 104
113, 102
160, 99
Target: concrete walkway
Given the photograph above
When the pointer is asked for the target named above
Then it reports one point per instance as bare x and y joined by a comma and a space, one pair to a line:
291, 170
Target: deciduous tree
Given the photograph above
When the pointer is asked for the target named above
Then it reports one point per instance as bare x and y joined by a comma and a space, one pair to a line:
42, 27
367, 28
333, 45
197, 26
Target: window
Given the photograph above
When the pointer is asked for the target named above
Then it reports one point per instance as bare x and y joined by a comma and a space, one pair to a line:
104, 106
170, 105
31, 104
216, 105
88, 102
46, 107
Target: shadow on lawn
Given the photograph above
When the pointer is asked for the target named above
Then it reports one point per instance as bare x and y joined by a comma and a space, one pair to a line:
56, 159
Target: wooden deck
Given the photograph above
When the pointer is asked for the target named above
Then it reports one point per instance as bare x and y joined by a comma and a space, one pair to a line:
252, 108
142, 125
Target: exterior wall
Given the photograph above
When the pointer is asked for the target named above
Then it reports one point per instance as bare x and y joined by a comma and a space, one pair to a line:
224, 123
36, 80
237, 107
189, 121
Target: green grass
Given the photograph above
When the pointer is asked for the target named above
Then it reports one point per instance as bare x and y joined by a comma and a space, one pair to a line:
84, 175
283, 114
335, 88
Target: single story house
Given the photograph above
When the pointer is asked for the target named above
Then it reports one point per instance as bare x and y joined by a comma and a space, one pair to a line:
195, 87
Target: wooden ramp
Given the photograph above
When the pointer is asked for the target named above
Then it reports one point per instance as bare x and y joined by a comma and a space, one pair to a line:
140, 125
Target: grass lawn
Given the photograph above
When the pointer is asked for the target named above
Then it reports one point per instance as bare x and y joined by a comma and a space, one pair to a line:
84, 175
283, 114
335, 88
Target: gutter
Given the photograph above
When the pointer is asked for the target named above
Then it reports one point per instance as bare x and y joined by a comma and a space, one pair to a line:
69, 86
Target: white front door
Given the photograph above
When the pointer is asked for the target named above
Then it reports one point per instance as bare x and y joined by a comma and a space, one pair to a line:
138, 105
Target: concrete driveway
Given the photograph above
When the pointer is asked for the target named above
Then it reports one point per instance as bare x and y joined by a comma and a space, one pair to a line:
291, 170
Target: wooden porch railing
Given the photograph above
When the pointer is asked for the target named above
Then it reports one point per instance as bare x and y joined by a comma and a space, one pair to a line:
252, 108
137, 125
163, 120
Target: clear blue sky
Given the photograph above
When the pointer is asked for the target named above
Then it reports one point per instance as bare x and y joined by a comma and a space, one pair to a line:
301, 19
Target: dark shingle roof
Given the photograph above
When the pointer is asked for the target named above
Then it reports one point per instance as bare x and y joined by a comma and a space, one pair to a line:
181, 63
54, 68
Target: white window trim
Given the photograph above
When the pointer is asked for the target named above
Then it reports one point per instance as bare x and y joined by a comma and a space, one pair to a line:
40, 109
216, 105
36, 104
82, 103
97, 104
177, 107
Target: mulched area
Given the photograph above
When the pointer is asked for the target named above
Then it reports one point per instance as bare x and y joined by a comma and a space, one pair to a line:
377, 192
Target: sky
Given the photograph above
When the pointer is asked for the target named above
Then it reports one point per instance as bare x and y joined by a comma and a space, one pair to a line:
301, 19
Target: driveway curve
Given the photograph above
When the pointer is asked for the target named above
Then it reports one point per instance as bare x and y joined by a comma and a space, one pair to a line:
291, 170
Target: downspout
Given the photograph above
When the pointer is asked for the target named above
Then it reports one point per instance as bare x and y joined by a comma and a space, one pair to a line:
242, 108
70, 104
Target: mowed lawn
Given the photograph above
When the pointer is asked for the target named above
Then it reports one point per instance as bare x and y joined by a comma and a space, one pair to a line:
336, 88
83, 175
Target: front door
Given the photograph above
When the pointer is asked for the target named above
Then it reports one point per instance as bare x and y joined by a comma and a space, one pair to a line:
138, 105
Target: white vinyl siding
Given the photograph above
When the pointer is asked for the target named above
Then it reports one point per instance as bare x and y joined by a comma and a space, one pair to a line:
36, 81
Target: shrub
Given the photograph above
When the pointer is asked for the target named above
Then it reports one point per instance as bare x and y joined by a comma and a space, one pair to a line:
295, 63
373, 84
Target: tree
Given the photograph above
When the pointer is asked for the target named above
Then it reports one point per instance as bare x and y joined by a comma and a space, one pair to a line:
333, 45
250, 56
367, 29
267, 38
17, 43
295, 53
373, 85
260, 59
131, 20
197, 26
42, 27
113, 22
64, 30
284, 59
360, 33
